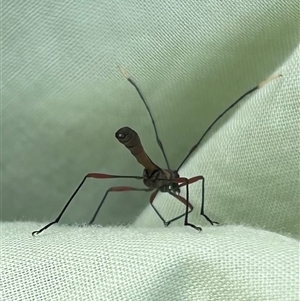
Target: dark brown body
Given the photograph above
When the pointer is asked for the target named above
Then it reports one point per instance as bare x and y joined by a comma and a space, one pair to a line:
154, 177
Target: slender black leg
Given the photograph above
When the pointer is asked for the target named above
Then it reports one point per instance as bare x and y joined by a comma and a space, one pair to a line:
34, 233
181, 199
115, 189
202, 207
186, 223
185, 201
190, 208
90, 175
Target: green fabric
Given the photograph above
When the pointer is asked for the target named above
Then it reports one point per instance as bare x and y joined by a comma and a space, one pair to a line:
221, 263
63, 99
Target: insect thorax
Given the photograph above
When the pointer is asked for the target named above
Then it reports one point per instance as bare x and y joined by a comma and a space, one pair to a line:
159, 179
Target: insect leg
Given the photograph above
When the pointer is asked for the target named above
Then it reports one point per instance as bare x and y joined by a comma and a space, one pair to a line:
115, 189
89, 175
152, 197
202, 206
167, 223
185, 202
186, 183
193, 180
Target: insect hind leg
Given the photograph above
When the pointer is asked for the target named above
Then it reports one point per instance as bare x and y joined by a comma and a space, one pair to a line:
202, 205
170, 191
186, 183
187, 211
115, 189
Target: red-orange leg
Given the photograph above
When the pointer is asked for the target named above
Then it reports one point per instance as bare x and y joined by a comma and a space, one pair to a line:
189, 207
115, 189
183, 200
193, 180
90, 175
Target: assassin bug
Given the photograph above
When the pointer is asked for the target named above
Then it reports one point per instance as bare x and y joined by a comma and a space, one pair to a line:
156, 179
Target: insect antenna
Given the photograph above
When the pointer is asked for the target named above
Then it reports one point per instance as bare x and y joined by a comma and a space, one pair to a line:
122, 70
221, 115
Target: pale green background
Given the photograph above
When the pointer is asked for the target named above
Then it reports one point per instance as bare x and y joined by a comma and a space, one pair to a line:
63, 99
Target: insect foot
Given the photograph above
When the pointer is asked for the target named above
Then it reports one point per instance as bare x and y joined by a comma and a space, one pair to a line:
209, 220
197, 228
166, 224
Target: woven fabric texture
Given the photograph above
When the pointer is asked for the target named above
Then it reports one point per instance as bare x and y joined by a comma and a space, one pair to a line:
222, 263
63, 99
252, 180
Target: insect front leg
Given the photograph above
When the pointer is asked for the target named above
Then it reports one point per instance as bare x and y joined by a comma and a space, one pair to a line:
89, 175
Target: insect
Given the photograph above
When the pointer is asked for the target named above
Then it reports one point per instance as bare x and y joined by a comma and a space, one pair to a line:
155, 178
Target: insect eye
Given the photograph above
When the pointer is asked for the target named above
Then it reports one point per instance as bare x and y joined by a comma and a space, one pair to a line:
119, 135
